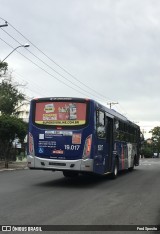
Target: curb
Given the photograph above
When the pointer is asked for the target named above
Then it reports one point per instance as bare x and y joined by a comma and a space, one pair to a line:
13, 166
13, 169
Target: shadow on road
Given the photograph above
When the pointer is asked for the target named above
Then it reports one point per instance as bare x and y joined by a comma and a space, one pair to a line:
83, 181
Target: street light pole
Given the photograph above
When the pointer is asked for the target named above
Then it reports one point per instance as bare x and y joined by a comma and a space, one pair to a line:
4, 25
26, 45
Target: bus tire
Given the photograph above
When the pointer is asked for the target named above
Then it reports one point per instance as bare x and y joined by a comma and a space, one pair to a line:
70, 174
131, 168
114, 174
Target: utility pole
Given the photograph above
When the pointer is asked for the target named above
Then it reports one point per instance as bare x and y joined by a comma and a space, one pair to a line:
143, 131
111, 103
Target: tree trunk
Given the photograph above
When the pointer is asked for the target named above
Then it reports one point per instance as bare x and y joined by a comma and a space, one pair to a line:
7, 153
6, 163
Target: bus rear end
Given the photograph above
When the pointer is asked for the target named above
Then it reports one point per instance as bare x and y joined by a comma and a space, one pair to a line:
61, 135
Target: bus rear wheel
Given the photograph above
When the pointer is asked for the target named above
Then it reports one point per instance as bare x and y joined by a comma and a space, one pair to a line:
134, 163
114, 174
70, 174
131, 168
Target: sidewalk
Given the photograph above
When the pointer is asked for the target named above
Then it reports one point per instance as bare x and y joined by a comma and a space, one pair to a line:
13, 166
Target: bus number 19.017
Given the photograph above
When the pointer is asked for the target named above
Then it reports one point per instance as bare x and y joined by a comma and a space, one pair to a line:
71, 147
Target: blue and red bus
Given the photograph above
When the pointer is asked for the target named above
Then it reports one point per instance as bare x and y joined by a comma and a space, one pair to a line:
77, 136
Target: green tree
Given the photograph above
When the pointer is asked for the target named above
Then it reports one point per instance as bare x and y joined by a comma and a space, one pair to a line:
11, 126
156, 139
10, 98
147, 149
3, 68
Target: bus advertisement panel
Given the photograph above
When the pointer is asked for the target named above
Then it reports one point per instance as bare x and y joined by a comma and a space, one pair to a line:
60, 113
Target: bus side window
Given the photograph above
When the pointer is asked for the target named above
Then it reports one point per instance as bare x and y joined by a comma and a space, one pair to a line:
101, 129
116, 130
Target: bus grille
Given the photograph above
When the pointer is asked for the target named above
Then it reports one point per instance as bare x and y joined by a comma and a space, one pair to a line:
57, 164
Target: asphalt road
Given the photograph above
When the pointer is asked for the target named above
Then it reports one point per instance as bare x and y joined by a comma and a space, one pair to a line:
47, 198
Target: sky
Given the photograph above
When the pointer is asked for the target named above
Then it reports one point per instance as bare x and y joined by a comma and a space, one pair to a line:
107, 50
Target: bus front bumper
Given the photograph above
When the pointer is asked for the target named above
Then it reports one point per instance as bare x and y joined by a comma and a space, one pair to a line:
60, 165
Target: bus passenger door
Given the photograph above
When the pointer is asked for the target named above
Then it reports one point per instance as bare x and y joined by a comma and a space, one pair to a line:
104, 143
100, 149
109, 143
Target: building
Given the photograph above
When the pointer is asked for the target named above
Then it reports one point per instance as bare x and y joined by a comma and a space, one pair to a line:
23, 110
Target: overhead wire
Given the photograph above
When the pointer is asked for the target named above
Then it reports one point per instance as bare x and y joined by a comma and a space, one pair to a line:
38, 65
88, 92
56, 63
34, 85
42, 68
62, 68
99, 96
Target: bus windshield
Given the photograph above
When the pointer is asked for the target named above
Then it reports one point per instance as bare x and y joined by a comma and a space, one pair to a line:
60, 113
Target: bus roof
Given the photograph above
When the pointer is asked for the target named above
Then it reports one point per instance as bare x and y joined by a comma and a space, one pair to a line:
116, 114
